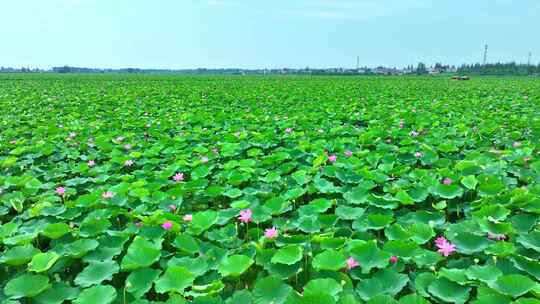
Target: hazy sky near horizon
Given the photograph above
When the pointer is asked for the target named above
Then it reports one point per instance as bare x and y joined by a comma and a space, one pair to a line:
253, 34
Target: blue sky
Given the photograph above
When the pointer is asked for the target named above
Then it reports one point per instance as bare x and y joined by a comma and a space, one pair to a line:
252, 34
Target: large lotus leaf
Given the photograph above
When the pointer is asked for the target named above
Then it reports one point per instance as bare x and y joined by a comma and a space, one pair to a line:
203, 221
141, 280
96, 272
325, 286
530, 240
26, 285
288, 255
513, 285
370, 256
57, 294
449, 291
528, 265
141, 253
97, 294
448, 191
413, 299
469, 243
485, 273
235, 265
43, 261
385, 281
186, 243
329, 260
349, 213
56, 230
19, 255
175, 279
270, 290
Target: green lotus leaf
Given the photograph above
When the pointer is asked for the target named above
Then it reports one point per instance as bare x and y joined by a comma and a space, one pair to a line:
96, 272
19, 255
325, 286
186, 243
141, 280
370, 256
413, 299
288, 255
449, 291
202, 221
448, 191
270, 290
26, 285
56, 230
175, 279
43, 261
530, 240
235, 265
385, 281
141, 253
96, 294
485, 273
469, 182
329, 260
349, 213
469, 243
57, 294
514, 285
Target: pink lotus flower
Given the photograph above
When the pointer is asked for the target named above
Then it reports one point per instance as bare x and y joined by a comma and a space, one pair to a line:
401, 124
91, 163
352, 263
138, 224
120, 138
445, 248
178, 177
447, 181
172, 208
332, 158
516, 144
418, 154
414, 133
393, 259
127, 146
271, 233
72, 134
204, 159
128, 163
288, 130
108, 194
60, 190
348, 153
167, 225
245, 216
498, 237
188, 217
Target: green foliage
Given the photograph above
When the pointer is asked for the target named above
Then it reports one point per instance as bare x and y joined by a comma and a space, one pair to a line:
429, 158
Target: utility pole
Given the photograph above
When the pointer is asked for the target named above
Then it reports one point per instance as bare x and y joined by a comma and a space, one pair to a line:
357, 63
485, 53
529, 60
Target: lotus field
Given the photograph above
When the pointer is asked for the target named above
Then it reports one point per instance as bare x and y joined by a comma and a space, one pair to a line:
269, 190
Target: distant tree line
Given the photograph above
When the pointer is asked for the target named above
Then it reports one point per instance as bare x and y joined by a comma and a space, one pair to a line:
510, 68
